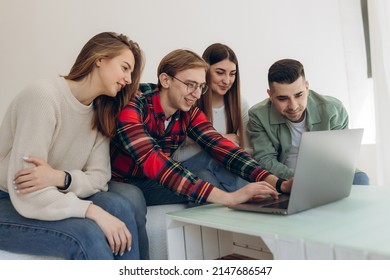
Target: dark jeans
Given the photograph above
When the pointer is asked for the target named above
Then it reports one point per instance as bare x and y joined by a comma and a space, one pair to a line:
72, 238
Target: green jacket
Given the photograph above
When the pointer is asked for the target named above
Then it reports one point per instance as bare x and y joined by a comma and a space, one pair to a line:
270, 136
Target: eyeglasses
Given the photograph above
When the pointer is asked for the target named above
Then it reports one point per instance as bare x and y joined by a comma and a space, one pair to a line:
192, 86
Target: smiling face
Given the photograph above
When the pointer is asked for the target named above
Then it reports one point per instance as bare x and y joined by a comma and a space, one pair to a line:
222, 76
290, 100
115, 73
174, 93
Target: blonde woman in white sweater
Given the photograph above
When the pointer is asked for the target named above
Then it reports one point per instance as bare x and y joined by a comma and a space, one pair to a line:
54, 159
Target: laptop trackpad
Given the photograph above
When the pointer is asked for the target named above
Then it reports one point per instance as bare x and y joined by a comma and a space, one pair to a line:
269, 202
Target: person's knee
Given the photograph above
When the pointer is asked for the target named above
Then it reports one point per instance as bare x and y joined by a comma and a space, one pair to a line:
125, 208
361, 178
132, 194
116, 205
208, 176
138, 200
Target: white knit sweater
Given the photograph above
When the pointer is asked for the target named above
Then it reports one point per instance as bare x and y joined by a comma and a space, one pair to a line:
45, 120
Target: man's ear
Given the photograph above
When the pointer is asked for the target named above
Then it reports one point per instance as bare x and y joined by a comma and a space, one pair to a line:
164, 80
269, 92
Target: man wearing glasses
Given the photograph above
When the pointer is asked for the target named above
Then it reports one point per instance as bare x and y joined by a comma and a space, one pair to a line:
151, 128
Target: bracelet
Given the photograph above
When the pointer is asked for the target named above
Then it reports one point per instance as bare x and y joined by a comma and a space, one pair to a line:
278, 185
68, 180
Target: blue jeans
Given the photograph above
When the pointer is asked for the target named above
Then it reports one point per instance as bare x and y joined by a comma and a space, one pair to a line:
360, 178
72, 238
203, 166
136, 198
206, 168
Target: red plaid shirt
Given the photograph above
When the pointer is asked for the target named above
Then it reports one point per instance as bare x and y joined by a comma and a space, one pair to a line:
142, 147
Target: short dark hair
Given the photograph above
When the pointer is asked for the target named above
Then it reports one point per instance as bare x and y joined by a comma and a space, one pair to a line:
285, 71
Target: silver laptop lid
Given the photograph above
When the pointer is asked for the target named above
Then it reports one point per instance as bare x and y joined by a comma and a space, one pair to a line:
325, 168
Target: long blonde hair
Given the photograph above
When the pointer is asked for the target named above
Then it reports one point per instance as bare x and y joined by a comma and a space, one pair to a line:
107, 45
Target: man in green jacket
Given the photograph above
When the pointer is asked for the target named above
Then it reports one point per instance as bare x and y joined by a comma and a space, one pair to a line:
276, 124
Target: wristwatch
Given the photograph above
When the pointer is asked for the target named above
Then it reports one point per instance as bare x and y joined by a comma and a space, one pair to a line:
67, 181
278, 186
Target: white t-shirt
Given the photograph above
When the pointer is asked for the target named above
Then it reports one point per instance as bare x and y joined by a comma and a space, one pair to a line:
219, 119
296, 130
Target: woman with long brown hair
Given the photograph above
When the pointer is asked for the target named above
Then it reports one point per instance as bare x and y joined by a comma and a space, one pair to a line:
55, 164
222, 103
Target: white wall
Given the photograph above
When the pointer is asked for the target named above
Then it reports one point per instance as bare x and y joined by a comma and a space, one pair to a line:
43, 37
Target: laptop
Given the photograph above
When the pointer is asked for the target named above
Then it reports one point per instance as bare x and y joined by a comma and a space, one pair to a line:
323, 174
